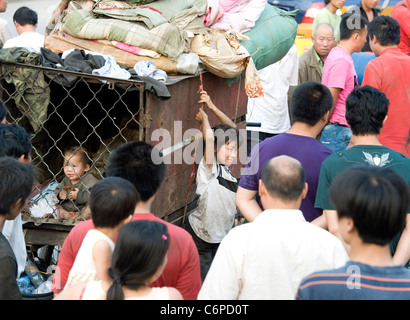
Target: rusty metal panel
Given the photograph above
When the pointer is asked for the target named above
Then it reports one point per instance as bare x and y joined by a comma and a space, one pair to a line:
182, 108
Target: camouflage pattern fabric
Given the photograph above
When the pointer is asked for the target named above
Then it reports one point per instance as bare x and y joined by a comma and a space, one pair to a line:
32, 94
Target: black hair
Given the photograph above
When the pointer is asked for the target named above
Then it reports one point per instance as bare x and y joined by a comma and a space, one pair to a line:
385, 29
16, 182
285, 182
366, 109
134, 161
3, 111
14, 141
140, 250
112, 200
352, 22
376, 199
310, 102
223, 134
24, 16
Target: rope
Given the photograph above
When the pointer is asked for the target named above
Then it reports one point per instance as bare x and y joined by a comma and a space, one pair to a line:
200, 89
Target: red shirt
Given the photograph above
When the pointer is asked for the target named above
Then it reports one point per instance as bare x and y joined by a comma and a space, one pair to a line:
401, 12
181, 272
390, 73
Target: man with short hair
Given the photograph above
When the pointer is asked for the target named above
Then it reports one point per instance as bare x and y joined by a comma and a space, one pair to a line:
26, 21
312, 61
267, 259
390, 73
339, 75
16, 183
367, 149
372, 205
310, 105
15, 142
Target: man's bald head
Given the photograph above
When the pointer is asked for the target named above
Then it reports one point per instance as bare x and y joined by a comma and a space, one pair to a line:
284, 178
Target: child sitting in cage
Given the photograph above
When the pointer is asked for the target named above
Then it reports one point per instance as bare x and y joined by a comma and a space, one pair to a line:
73, 191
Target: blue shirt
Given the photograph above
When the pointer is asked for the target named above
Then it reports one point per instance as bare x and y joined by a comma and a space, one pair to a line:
357, 281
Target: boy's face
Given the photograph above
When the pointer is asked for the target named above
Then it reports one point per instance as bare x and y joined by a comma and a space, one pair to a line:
74, 167
228, 153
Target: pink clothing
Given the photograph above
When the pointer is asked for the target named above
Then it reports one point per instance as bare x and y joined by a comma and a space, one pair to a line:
241, 16
182, 270
401, 12
339, 72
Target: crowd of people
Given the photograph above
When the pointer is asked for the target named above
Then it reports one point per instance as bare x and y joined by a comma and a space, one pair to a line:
325, 191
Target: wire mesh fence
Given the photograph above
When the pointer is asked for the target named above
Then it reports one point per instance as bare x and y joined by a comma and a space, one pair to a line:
62, 109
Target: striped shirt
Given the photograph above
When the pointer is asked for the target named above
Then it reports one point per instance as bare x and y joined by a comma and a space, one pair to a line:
357, 281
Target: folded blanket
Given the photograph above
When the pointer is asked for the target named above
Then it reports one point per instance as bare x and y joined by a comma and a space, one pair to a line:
165, 39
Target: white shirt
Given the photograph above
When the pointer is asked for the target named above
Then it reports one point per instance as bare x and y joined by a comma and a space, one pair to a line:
13, 231
215, 214
271, 110
84, 268
29, 40
268, 258
5, 31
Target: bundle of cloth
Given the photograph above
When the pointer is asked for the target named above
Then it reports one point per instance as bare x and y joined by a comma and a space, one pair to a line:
170, 30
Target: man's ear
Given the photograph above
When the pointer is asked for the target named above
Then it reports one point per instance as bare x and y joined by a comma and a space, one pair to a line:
15, 208
261, 188
305, 191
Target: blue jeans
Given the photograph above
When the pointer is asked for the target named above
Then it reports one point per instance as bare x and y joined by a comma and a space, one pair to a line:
336, 137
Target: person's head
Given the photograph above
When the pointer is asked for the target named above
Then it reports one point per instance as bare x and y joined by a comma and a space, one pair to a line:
25, 16
112, 201
139, 257
323, 39
3, 5
353, 28
369, 4
384, 31
283, 179
133, 161
337, 4
311, 102
3, 113
366, 110
226, 143
16, 183
76, 163
15, 142
370, 201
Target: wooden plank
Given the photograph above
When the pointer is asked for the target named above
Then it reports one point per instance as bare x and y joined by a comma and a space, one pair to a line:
44, 237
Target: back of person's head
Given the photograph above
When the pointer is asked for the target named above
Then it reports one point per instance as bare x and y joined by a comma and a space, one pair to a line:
366, 110
310, 102
14, 141
77, 151
140, 251
16, 182
24, 16
284, 178
3, 112
133, 161
376, 199
112, 200
385, 29
352, 22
